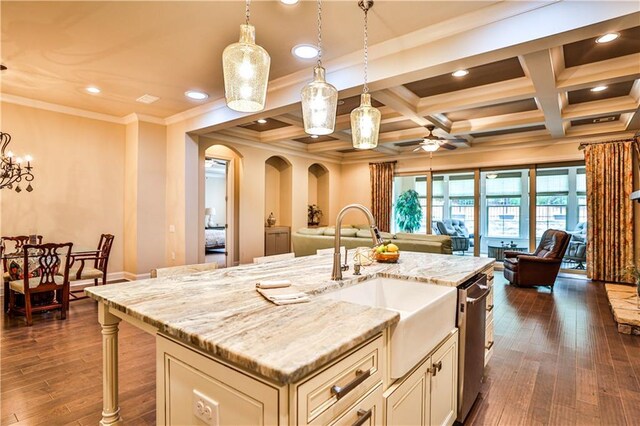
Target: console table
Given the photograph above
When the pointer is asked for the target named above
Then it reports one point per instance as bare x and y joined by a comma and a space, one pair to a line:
497, 252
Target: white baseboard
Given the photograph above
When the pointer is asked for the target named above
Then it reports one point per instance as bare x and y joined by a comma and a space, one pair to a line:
113, 276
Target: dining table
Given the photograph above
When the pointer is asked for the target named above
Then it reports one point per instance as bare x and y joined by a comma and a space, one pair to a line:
78, 254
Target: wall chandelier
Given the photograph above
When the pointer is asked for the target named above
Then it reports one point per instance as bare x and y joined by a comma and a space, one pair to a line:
13, 170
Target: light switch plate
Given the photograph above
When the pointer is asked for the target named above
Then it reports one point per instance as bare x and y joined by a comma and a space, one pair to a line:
205, 408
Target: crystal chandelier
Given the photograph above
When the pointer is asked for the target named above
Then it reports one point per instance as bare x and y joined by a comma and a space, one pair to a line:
365, 120
245, 67
13, 169
319, 98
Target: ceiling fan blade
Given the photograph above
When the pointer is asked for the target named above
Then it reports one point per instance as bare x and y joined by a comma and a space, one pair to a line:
461, 140
418, 149
448, 146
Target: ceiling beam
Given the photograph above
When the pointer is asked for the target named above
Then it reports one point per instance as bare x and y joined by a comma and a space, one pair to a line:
499, 122
612, 106
541, 67
610, 71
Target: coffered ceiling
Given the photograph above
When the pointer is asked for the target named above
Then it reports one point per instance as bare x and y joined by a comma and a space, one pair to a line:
522, 86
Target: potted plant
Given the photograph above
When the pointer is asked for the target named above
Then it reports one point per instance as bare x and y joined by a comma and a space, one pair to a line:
408, 211
313, 215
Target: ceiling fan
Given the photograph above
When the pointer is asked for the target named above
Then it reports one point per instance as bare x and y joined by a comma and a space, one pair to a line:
432, 143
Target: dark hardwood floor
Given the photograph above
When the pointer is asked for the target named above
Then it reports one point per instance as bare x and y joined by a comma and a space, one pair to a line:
558, 360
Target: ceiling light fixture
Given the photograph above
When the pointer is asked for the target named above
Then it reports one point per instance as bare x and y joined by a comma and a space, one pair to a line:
245, 67
196, 95
598, 88
460, 73
319, 98
289, 1
93, 90
314, 136
365, 120
607, 38
305, 51
262, 120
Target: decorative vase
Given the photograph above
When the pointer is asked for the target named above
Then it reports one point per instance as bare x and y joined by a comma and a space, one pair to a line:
271, 220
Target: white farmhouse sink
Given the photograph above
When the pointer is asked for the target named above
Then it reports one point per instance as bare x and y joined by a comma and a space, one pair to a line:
427, 315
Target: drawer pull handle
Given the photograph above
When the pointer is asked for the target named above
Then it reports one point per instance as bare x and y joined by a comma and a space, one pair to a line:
489, 308
435, 368
361, 376
490, 345
363, 416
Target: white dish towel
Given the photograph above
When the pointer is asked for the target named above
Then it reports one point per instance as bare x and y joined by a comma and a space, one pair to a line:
281, 292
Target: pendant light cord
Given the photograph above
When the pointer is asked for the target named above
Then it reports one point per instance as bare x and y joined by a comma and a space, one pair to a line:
365, 89
319, 33
246, 11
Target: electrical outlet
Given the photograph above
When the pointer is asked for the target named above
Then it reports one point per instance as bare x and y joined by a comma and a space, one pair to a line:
205, 409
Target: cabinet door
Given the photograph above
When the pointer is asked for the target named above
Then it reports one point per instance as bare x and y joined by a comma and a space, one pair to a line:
409, 402
282, 243
444, 383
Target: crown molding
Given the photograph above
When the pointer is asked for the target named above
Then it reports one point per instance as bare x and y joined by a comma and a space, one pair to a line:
32, 103
47, 106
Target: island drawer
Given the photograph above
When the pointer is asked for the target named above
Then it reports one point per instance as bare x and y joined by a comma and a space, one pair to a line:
490, 304
488, 342
366, 412
326, 395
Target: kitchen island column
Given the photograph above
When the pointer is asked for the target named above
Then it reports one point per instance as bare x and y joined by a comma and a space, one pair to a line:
110, 408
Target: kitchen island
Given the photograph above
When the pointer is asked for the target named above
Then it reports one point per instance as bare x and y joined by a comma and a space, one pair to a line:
218, 316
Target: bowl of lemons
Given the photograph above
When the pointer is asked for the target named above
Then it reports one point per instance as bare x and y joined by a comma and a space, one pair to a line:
387, 252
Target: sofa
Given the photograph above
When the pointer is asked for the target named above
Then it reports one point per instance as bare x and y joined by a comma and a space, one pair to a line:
458, 232
306, 241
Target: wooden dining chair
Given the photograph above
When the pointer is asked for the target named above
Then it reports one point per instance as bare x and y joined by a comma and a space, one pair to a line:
17, 242
96, 271
51, 259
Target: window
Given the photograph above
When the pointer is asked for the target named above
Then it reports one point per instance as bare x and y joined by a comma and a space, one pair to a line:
503, 201
581, 193
402, 184
552, 187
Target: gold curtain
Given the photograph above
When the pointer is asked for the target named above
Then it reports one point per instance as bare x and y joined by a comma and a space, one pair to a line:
381, 190
610, 248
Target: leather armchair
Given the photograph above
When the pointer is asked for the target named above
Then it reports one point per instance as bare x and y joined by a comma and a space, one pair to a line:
541, 267
458, 232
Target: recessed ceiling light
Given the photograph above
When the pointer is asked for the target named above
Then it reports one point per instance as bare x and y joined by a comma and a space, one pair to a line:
92, 89
340, 102
261, 120
288, 1
314, 136
460, 73
607, 38
195, 95
305, 51
598, 88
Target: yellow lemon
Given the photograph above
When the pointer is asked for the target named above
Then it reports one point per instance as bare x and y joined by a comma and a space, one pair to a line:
392, 248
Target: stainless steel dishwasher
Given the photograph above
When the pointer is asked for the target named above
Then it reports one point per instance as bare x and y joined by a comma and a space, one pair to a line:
471, 323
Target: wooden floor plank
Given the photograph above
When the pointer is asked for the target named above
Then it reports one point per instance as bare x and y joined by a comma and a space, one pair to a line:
558, 359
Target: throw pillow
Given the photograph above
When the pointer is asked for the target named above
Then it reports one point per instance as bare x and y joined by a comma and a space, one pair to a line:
16, 270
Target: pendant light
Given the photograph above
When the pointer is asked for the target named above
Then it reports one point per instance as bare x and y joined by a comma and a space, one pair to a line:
319, 98
245, 67
365, 120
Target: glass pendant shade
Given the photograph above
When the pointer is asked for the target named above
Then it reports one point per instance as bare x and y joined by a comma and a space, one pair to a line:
319, 103
365, 124
245, 66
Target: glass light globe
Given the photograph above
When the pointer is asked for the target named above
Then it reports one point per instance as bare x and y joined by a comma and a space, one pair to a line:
430, 145
245, 67
319, 103
365, 124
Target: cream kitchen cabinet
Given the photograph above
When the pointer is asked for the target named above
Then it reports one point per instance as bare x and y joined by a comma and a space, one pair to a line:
277, 240
429, 394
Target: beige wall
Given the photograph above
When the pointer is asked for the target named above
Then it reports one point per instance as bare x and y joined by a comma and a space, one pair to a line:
79, 179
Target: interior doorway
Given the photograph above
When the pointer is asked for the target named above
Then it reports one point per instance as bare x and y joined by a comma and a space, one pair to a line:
215, 213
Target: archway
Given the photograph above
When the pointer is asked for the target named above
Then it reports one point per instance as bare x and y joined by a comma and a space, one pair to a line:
318, 193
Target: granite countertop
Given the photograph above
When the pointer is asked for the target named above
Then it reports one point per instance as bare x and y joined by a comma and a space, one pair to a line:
221, 313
